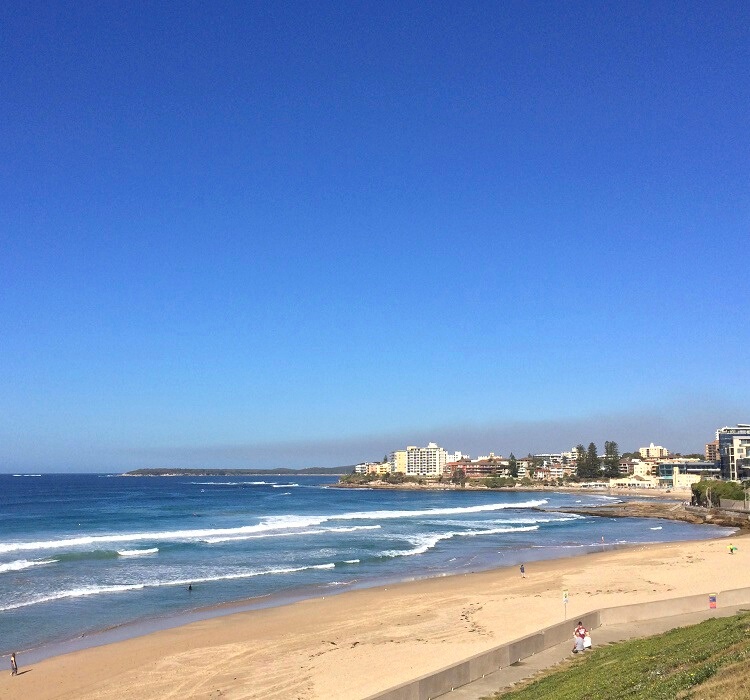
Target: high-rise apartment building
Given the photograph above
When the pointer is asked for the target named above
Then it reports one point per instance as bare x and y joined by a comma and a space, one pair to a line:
425, 461
712, 451
397, 461
734, 451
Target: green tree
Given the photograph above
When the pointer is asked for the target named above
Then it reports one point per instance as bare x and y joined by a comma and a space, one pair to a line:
513, 466
710, 493
611, 459
581, 462
593, 463
459, 476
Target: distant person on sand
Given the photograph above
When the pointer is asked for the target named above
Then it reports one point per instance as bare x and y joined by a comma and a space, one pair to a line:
523, 571
13, 664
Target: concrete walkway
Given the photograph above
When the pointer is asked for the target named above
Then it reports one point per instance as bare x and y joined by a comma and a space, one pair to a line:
505, 678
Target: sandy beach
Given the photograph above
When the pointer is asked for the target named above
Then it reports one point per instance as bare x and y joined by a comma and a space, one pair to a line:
354, 644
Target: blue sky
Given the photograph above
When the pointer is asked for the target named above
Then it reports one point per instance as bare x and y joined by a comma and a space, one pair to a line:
266, 234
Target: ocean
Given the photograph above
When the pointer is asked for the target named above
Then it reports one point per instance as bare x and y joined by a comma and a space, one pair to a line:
90, 558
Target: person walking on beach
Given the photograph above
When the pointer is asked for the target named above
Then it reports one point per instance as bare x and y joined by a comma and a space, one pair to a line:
523, 571
13, 665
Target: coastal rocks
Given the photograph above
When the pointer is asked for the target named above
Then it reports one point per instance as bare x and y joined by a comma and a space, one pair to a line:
667, 511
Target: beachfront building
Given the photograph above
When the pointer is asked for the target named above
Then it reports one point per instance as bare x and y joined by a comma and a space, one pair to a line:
397, 460
525, 467
644, 468
734, 451
372, 468
379, 468
548, 459
702, 469
712, 451
450, 468
635, 482
676, 473
484, 467
425, 461
627, 466
653, 452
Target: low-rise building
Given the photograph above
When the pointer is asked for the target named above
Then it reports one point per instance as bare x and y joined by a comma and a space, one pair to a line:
635, 482
702, 470
482, 468
653, 452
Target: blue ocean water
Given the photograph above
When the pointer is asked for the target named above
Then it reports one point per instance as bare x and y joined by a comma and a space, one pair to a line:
84, 553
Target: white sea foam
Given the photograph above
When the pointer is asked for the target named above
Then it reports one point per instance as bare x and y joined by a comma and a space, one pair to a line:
655, 528
137, 552
423, 543
351, 561
284, 486
295, 533
247, 573
73, 593
231, 483
106, 589
268, 524
389, 514
21, 564
525, 520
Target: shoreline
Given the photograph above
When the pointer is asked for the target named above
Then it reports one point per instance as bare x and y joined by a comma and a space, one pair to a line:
378, 619
145, 626
670, 494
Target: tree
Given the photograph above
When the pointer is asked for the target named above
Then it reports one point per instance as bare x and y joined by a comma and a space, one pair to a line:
459, 476
593, 463
611, 460
588, 463
580, 461
709, 493
513, 466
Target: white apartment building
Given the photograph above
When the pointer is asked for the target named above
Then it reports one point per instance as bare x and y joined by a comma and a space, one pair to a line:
734, 451
653, 452
425, 461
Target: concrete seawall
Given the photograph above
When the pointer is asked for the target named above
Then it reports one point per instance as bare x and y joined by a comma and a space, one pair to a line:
456, 675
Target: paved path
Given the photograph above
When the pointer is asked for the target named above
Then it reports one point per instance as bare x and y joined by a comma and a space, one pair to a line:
606, 634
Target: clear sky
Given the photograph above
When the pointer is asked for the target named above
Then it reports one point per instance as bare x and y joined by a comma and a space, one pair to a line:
309, 233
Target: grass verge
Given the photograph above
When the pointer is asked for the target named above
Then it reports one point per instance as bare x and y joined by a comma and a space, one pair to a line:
706, 661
